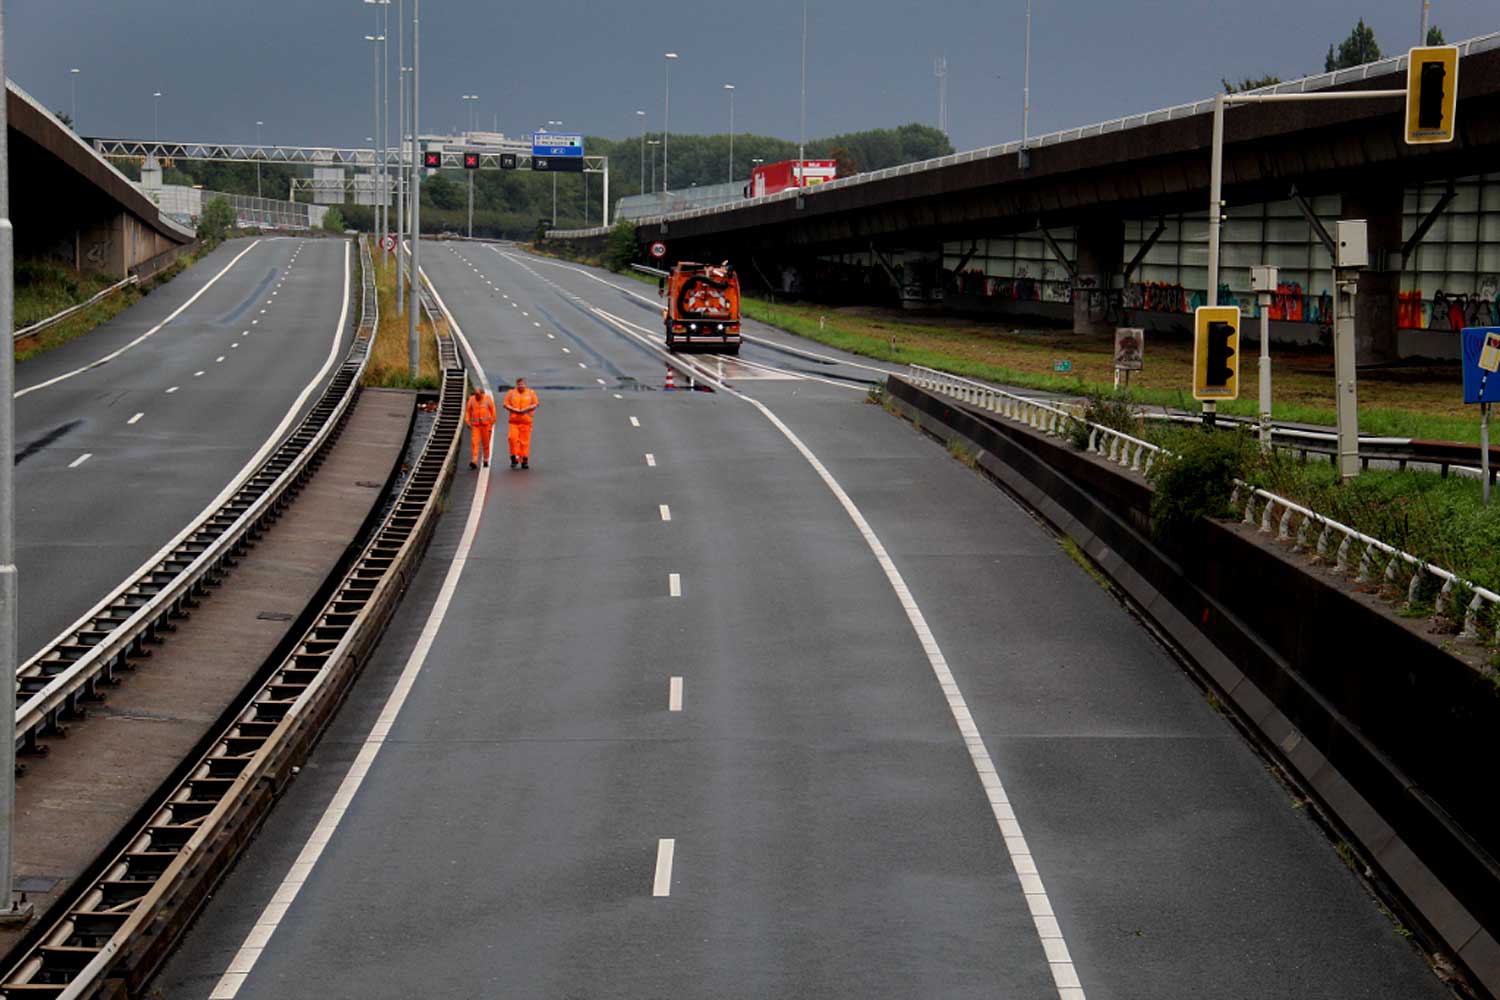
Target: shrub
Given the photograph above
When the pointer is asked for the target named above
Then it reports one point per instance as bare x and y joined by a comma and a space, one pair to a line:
1197, 478
333, 221
1109, 409
623, 248
216, 221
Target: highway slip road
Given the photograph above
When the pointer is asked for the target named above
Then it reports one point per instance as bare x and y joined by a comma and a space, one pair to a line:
759, 693
122, 441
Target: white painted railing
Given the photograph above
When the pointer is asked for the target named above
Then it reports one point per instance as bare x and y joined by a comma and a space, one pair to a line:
1352, 550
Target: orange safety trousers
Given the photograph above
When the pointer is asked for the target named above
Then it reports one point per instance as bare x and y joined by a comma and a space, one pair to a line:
478, 433
520, 439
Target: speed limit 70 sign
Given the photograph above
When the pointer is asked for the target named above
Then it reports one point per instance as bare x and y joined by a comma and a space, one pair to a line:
658, 250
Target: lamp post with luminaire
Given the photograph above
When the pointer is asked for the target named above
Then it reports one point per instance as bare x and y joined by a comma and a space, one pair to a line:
642, 116
73, 78
156, 115
666, 126
730, 87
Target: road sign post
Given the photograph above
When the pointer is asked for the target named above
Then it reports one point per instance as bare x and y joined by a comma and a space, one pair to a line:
1130, 350
1480, 346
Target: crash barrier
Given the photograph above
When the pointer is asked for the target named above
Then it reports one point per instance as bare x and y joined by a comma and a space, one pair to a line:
1390, 733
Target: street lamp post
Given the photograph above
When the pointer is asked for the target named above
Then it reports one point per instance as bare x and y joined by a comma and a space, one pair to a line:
730, 87
469, 102
156, 115
9, 912
400, 148
642, 116
653, 143
73, 78
374, 139
258, 124
802, 134
412, 345
1023, 157
380, 217
666, 127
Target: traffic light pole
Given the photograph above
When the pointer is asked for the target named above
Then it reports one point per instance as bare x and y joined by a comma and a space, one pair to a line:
1348, 414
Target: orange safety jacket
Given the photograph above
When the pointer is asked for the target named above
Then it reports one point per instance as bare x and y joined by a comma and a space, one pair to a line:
521, 401
480, 412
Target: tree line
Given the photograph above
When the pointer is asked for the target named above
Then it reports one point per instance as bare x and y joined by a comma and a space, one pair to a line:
1356, 50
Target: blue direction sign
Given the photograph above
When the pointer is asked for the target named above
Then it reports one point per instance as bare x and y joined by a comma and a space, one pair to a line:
556, 146
1481, 348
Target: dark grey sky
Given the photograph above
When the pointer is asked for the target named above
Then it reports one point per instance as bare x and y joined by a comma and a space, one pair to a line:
303, 65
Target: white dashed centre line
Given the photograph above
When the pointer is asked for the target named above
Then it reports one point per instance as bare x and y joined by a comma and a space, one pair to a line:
219, 359
80, 460
618, 396
549, 336
665, 849
674, 694
172, 390
535, 323
601, 381
666, 512
197, 374
135, 418
567, 351
650, 460
634, 422
582, 365
674, 584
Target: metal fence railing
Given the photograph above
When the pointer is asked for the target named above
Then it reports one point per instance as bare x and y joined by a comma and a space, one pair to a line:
1369, 556
58, 317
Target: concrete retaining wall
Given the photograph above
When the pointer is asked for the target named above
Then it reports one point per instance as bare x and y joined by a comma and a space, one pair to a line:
1390, 733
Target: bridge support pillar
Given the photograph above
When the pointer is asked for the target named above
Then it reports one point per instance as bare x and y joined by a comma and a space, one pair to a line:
1101, 245
1376, 307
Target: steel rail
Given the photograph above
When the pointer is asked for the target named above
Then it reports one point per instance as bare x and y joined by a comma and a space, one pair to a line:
121, 925
1375, 556
53, 685
58, 317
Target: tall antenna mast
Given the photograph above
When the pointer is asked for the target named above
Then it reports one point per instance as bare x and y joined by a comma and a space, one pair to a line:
940, 70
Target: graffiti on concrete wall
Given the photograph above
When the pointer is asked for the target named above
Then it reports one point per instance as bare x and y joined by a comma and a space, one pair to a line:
98, 253
1451, 310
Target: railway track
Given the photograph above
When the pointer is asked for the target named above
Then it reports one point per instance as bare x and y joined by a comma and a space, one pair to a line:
116, 928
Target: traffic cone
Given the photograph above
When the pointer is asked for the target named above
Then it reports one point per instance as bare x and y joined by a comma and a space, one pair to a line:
670, 386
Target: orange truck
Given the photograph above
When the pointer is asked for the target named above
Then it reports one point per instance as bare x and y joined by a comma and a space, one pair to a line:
702, 307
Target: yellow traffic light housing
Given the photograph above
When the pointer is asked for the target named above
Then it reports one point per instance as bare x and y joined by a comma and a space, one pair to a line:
1431, 94
1216, 353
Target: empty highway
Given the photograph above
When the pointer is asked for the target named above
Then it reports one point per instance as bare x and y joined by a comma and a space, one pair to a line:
125, 435
760, 693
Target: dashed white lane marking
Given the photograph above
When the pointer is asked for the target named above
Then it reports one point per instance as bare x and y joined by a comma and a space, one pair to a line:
116, 353
535, 323
550, 337
582, 365
525, 313
262, 312
219, 360
80, 460
601, 381
135, 418
245, 333
172, 390
1049, 932
618, 396
650, 460
634, 422
674, 584
666, 512
235, 344
228, 986
255, 322
567, 351
197, 374
674, 694
665, 849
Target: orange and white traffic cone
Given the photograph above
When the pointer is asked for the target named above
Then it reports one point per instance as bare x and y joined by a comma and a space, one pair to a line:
670, 386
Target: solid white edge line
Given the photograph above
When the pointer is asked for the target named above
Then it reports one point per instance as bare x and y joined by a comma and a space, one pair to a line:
249, 467
119, 351
674, 584
270, 916
1049, 933
80, 460
666, 512
674, 694
665, 850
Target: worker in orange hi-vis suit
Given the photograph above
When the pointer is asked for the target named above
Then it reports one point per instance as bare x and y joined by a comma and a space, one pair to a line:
479, 414
520, 403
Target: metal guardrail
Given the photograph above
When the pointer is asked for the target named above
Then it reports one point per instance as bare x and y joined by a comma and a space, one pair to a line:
1321, 81
58, 317
54, 683
124, 922
1374, 555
